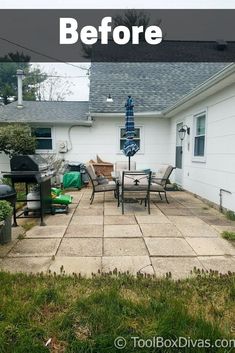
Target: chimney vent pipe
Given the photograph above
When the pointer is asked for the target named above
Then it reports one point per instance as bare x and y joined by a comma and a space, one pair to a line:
20, 74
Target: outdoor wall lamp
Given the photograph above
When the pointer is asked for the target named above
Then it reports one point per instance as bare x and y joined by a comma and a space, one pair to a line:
109, 99
182, 132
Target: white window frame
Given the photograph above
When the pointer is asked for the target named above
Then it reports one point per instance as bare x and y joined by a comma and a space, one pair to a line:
200, 159
52, 138
141, 127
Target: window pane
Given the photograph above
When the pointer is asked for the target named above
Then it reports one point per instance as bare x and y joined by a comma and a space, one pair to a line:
122, 142
178, 157
137, 133
201, 125
42, 132
122, 133
199, 146
44, 144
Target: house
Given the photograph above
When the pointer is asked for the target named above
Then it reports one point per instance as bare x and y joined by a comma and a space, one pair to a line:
198, 98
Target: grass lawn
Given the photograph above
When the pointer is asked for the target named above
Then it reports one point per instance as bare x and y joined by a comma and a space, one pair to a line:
86, 315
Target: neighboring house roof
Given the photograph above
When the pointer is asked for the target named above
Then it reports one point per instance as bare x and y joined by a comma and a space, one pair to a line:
45, 112
153, 86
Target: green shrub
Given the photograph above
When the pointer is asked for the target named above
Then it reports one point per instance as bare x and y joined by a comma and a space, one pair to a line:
17, 139
5, 210
228, 235
230, 215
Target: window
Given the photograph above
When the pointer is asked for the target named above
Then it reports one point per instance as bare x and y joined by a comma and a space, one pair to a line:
43, 137
123, 137
200, 134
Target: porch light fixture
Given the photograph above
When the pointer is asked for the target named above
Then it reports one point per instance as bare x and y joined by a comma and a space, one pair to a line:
182, 132
109, 99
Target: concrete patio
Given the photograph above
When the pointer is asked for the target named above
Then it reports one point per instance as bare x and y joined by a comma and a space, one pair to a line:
176, 238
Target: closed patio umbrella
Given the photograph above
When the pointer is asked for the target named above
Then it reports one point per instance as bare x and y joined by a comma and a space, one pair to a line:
130, 147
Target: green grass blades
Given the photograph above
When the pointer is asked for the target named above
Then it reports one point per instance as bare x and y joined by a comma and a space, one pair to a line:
87, 315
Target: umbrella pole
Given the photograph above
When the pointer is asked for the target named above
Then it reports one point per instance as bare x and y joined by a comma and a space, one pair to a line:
129, 162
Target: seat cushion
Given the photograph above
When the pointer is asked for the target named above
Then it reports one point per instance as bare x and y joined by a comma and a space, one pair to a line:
111, 186
156, 188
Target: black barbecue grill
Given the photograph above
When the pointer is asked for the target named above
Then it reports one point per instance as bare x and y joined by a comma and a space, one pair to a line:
32, 169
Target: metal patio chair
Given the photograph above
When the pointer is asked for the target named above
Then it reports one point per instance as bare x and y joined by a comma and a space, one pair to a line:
135, 186
96, 187
160, 180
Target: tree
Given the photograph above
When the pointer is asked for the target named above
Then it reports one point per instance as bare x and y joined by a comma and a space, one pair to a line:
131, 18
54, 88
17, 139
8, 80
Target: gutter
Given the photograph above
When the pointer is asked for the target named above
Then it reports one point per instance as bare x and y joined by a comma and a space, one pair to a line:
121, 115
219, 76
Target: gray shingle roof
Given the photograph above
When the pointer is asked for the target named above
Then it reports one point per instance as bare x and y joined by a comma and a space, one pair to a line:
45, 112
153, 86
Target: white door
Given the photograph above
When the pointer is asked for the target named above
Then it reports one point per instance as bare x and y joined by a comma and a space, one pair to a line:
178, 156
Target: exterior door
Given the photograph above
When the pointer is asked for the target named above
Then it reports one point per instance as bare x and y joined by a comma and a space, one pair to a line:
178, 156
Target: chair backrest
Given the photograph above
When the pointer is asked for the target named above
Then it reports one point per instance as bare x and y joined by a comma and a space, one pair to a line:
91, 173
136, 182
166, 175
124, 165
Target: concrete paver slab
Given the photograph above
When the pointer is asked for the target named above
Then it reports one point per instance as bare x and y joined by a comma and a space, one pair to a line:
79, 265
46, 232
84, 231
158, 218
177, 212
215, 220
221, 229
122, 219
124, 247
160, 230
35, 247
131, 264
223, 264
122, 231
82, 220
169, 247
193, 227
80, 247
26, 264
112, 211
211, 246
88, 211
177, 266
58, 220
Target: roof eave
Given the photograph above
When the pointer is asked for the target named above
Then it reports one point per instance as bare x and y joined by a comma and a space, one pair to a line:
212, 85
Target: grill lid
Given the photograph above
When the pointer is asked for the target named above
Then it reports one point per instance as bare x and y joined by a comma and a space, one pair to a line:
28, 163
6, 192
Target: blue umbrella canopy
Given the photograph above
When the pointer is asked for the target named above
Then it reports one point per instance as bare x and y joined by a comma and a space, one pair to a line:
130, 147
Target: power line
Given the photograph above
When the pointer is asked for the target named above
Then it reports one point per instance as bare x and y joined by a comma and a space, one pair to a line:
55, 76
45, 55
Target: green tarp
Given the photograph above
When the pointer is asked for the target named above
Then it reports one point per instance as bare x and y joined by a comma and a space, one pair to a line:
72, 180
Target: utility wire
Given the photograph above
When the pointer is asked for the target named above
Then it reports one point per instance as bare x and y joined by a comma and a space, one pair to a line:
45, 55
44, 74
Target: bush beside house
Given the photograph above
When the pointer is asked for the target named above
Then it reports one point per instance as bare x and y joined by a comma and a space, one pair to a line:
5, 221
